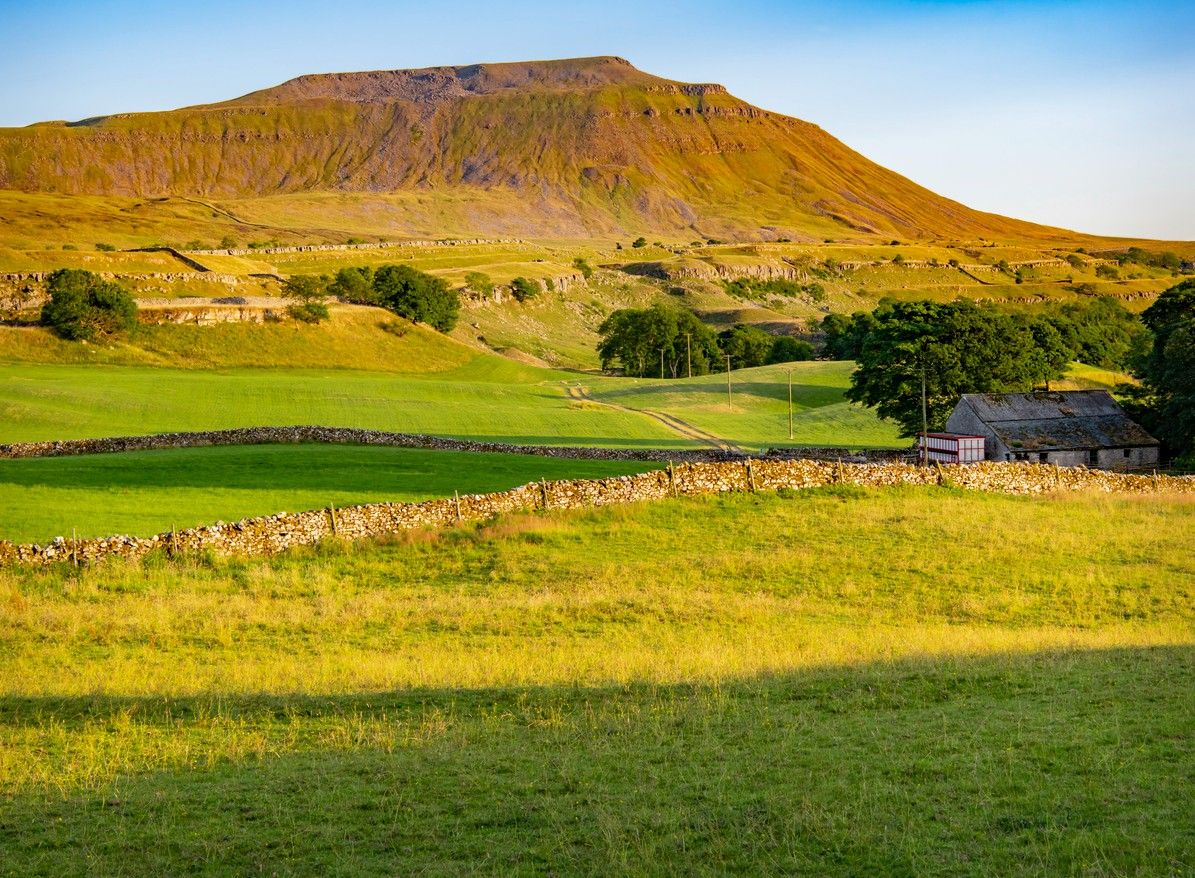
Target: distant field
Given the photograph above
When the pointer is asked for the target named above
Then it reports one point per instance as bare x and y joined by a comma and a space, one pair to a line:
759, 418
728, 684
149, 492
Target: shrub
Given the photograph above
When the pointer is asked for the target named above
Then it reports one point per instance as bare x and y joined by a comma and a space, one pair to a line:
69, 247
83, 306
639, 242
898, 259
104, 248
1107, 272
479, 282
584, 267
308, 312
228, 242
523, 289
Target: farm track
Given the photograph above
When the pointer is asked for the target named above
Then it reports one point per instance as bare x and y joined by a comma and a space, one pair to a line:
673, 423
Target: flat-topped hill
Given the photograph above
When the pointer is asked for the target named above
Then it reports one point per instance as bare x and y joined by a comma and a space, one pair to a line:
559, 148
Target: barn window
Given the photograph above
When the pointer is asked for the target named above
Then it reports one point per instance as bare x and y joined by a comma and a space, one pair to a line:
1093, 457
1043, 456
1127, 453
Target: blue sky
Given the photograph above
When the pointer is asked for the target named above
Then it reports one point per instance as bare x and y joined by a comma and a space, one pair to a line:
1072, 112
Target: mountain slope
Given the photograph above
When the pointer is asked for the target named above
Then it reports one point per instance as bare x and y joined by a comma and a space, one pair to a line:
585, 146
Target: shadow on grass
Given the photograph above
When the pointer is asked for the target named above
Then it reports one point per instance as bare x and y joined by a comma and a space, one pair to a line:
1044, 763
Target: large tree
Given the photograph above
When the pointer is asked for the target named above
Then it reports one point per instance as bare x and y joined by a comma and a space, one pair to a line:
417, 296
958, 348
657, 342
83, 306
1168, 370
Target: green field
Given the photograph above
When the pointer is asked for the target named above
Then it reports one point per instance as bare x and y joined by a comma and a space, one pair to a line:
759, 417
831, 682
148, 492
488, 398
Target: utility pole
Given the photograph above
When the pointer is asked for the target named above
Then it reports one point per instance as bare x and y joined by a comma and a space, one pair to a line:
924, 419
689, 351
790, 404
729, 393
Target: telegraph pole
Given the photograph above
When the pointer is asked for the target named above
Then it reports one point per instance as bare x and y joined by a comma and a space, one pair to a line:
924, 420
689, 351
790, 404
729, 393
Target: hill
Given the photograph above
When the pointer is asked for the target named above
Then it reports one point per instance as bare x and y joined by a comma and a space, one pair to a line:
578, 147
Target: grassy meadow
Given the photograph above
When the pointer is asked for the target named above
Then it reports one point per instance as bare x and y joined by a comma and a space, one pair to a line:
148, 492
837, 681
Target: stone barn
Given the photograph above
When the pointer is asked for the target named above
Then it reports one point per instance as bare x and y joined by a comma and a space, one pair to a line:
1068, 428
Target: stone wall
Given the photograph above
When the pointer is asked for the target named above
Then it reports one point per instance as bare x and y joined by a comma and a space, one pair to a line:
356, 436
276, 533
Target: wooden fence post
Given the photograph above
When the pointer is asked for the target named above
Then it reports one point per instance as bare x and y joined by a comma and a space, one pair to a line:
332, 516
750, 476
671, 479
543, 488
457, 496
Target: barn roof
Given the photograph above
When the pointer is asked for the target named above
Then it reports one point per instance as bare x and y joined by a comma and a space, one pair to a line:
1069, 419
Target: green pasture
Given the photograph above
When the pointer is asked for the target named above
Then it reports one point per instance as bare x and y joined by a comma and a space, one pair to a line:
755, 412
476, 402
830, 682
148, 492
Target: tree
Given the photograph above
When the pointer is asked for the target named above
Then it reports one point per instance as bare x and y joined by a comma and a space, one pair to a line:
84, 306
635, 337
354, 285
523, 289
787, 349
417, 296
958, 348
844, 336
307, 293
747, 346
1166, 403
1099, 331
228, 242
639, 242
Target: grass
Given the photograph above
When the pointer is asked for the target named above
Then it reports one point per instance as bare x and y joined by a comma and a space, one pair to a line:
759, 418
143, 493
710, 685
492, 399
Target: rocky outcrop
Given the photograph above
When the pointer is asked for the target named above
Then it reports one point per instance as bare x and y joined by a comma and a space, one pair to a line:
276, 533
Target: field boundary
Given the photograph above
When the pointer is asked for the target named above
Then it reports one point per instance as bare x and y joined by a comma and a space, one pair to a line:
268, 535
358, 436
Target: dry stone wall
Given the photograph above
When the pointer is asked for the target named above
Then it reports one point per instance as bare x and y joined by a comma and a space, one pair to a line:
356, 436
276, 533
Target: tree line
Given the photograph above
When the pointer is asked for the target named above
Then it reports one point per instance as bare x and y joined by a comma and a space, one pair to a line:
663, 341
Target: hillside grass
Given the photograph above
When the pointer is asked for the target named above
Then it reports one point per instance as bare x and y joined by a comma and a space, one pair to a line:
727, 684
148, 492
